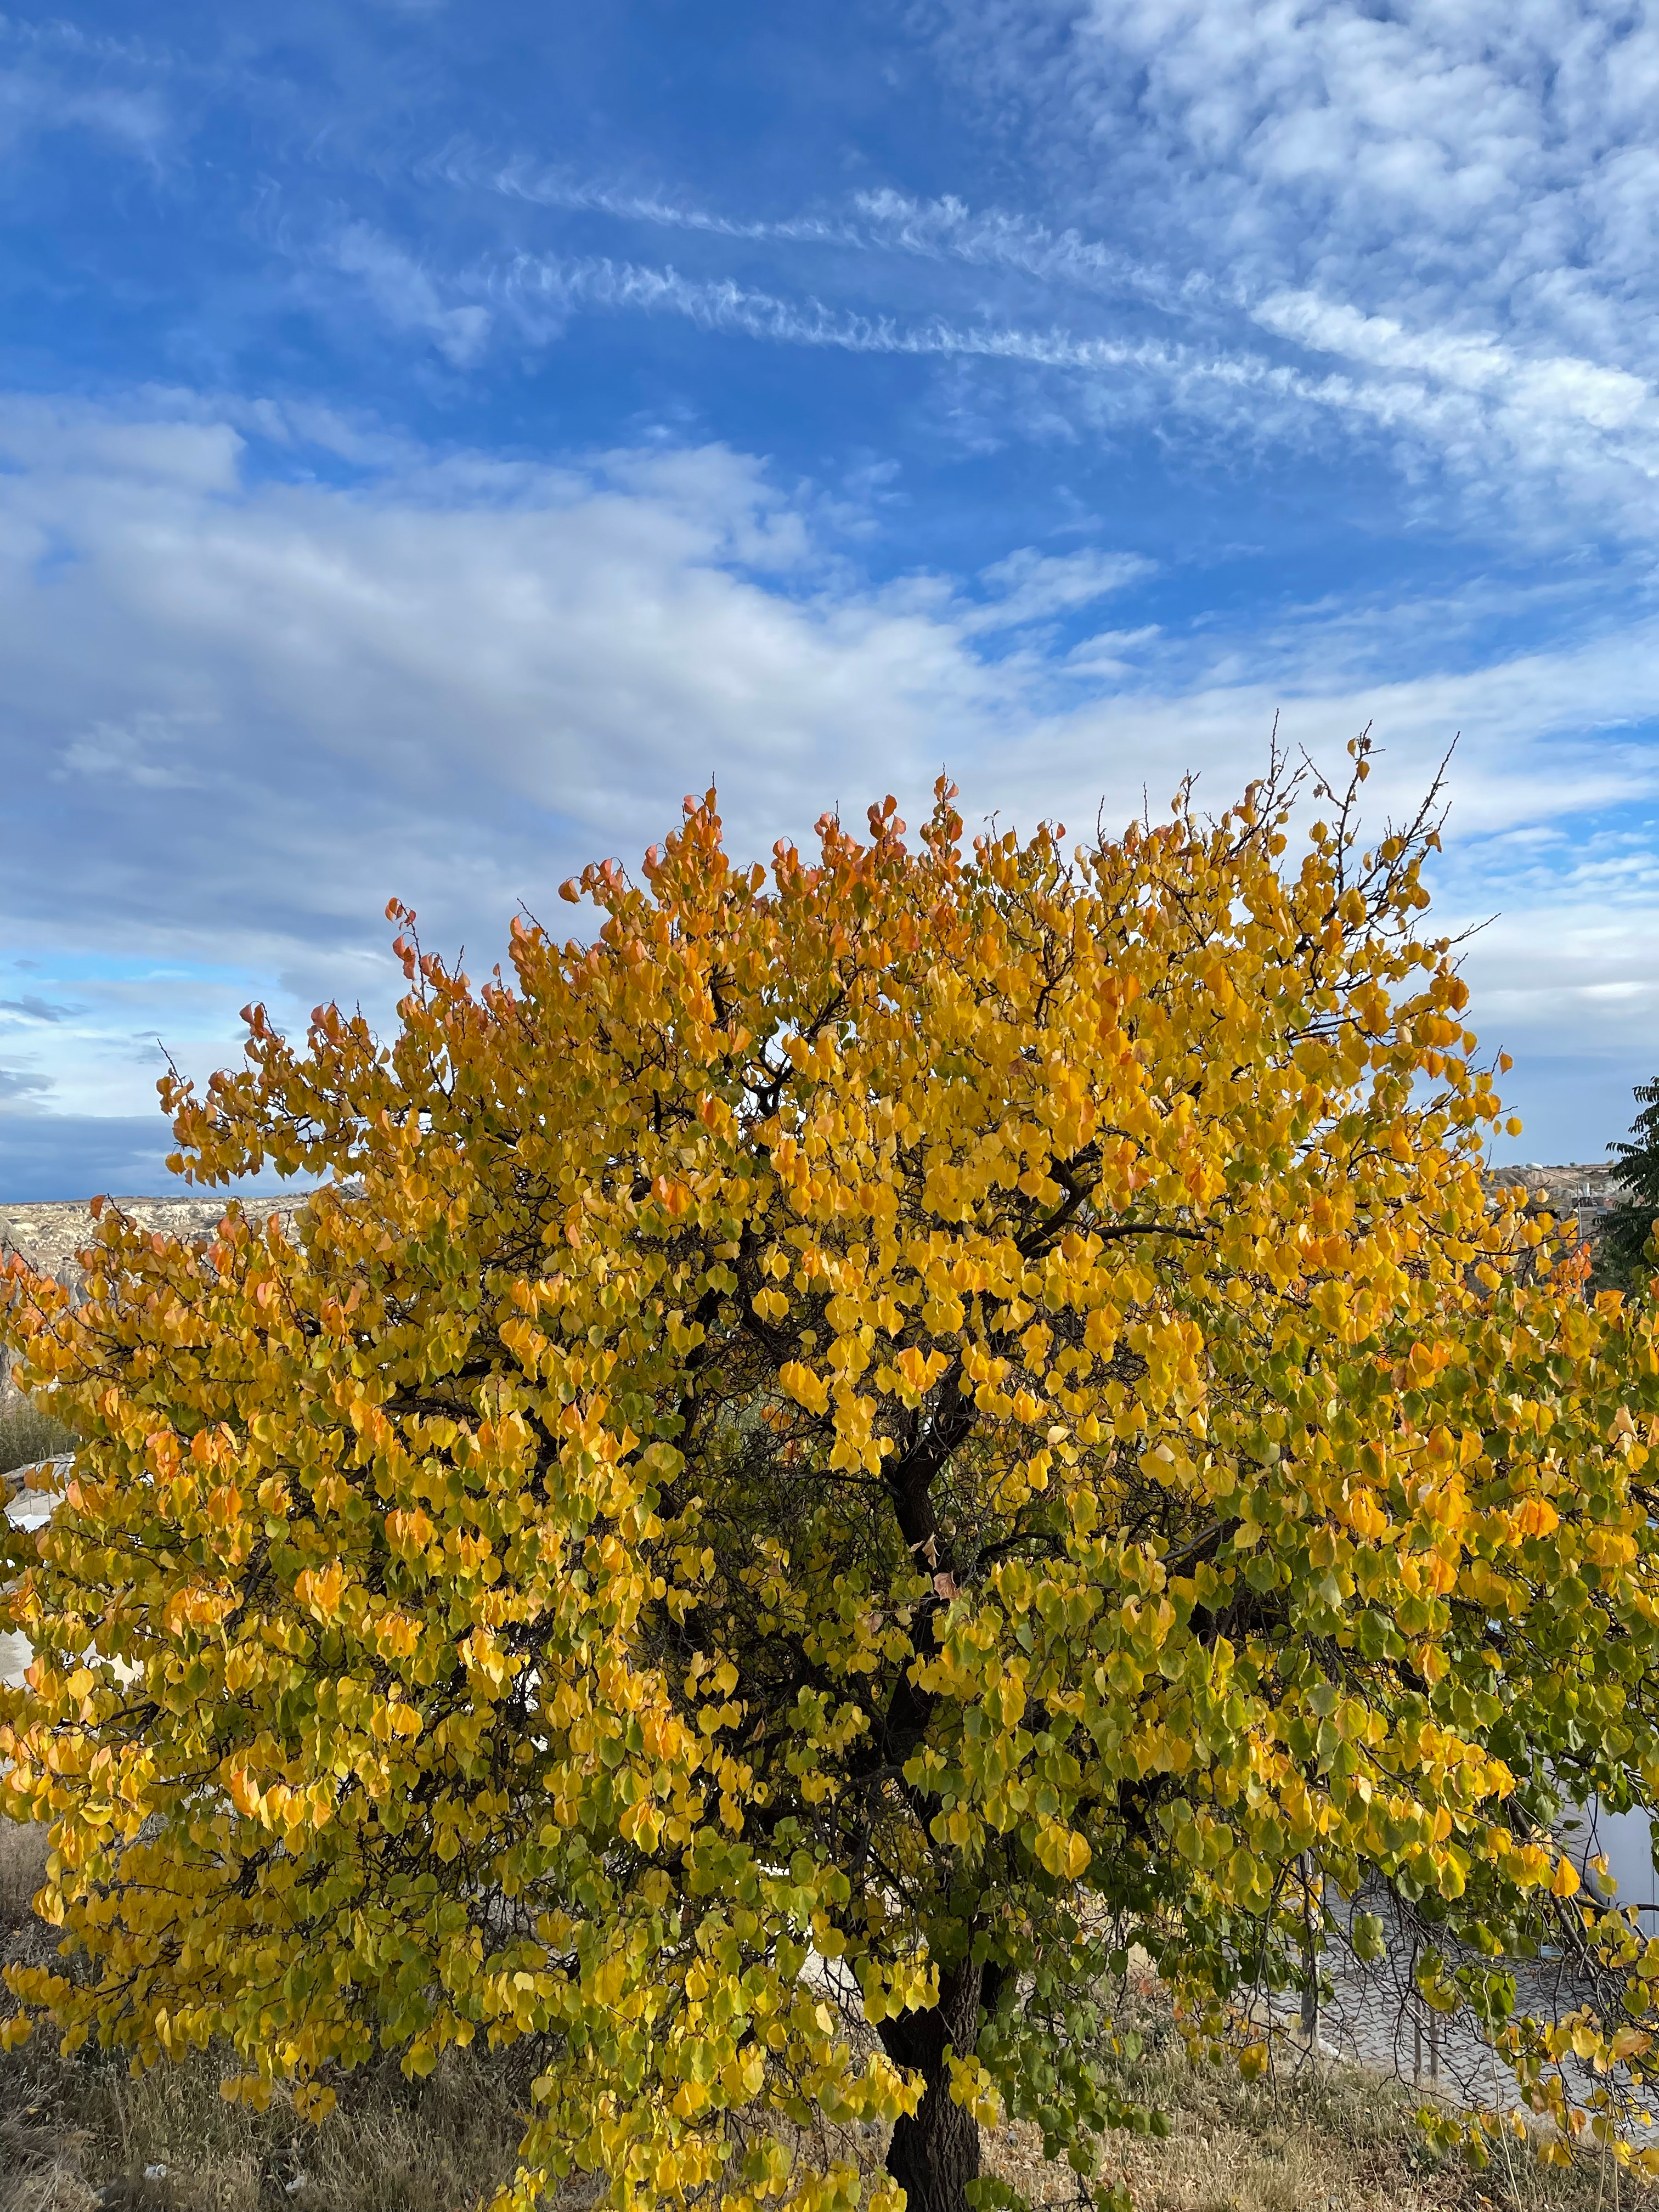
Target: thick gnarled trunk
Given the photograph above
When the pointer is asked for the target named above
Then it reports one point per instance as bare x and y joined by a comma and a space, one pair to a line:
934, 2153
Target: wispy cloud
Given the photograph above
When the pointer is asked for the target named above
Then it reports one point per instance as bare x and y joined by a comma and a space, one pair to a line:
1545, 436
406, 296
1550, 435
1036, 587
21, 1089
1457, 204
879, 221
33, 100
142, 750
54, 76
520, 177
1456, 207
455, 556
560, 284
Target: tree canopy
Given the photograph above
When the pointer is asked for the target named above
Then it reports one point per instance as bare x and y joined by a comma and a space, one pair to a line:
824, 1463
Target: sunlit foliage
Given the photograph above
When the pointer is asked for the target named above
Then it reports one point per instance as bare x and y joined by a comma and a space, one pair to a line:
827, 1459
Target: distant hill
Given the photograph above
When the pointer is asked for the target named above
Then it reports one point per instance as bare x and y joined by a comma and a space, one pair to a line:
1583, 1188
49, 1232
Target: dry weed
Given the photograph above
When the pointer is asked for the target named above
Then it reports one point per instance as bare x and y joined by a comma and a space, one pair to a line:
80, 2135
27, 1435
22, 1868
1317, 2137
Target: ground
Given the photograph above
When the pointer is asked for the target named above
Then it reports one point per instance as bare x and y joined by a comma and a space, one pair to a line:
79, 2135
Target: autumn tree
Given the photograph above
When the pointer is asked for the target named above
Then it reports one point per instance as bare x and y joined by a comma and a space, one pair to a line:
823, 1463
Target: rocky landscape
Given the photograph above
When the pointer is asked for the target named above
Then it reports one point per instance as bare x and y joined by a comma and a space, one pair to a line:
49, 1233
1584, 1189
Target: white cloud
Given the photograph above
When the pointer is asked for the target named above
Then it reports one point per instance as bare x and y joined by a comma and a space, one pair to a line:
59, 77
1148, 371
572, 634
34, 100
880, 220
1579, 390
883, 220
1460, 201
1476, 143
1426, 231
1555, 439
23, 1089
1033, 587
143, 751
428, 677
80, 1035
406, 296
281, 701
1558, 443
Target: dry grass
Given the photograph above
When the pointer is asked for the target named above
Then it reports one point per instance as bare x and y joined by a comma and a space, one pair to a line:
22, 1867
79, 2135
27, 1434
1345, 2142
1316, 2138
82, 2136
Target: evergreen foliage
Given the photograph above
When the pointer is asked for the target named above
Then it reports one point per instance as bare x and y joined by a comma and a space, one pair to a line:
1626, 1253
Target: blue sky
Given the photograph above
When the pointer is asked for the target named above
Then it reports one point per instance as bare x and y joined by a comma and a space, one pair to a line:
436, 438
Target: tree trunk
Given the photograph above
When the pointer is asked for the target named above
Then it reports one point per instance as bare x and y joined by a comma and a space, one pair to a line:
934, 2153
